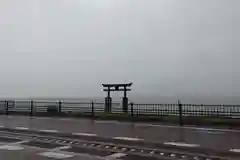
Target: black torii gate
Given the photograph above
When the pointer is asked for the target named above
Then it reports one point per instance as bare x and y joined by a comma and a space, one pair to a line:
116, 87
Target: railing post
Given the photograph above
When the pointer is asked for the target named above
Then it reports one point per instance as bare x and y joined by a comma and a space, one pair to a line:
14, 104
31, 108
180, 113
6, 107
131, 109
60, 106
92, 105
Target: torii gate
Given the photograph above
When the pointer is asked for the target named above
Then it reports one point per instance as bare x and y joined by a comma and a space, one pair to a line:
116, 87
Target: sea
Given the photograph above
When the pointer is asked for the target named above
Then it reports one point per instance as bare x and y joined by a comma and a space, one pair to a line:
153, 99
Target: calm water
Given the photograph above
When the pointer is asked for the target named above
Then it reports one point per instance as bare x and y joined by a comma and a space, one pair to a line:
150, 99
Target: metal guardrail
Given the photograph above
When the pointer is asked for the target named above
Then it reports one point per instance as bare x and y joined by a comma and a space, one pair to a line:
189, 110
92, 108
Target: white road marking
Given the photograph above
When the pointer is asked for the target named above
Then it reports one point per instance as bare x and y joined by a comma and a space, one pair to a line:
172, 155
56, 155
189, 127
45, 118
66, 119
209, 132
66, 152
21, 128
128, 138
11, 148
100, 122
11, 137
235, 150
1, 126
181, 144
112, 122
58, 141
65, 147
84, 134
115, 156
58, 149
144, 125
51, 131
16, 143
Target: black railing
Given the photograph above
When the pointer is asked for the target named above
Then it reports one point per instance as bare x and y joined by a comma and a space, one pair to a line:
134, 110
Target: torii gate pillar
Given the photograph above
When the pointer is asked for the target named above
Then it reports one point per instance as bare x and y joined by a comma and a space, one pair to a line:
116, 87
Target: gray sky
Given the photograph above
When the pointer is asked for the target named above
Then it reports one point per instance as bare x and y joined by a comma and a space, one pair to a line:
166, 47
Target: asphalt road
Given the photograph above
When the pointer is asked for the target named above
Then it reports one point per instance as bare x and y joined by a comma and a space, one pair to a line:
38, 154
206, 138
33, 154
23, 152
11, 149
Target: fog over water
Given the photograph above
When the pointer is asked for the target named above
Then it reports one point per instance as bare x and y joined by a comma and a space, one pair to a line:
169, 49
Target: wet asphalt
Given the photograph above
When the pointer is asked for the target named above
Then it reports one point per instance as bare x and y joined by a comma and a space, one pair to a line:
35, 154
206, 138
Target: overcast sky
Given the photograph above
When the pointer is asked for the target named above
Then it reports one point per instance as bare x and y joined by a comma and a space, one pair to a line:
166, 47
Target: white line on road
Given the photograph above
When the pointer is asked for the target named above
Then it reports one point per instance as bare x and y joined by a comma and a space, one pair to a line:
11, 148
181, 144
185, 127
16, 143
84, 134
51, 131
235, 150
106, 122
1, 126
112, 122
64, 147
21, 128
128, 138
66, 119
210, 132
59, 148
115, 156
21, 142
61, 154
55, 155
